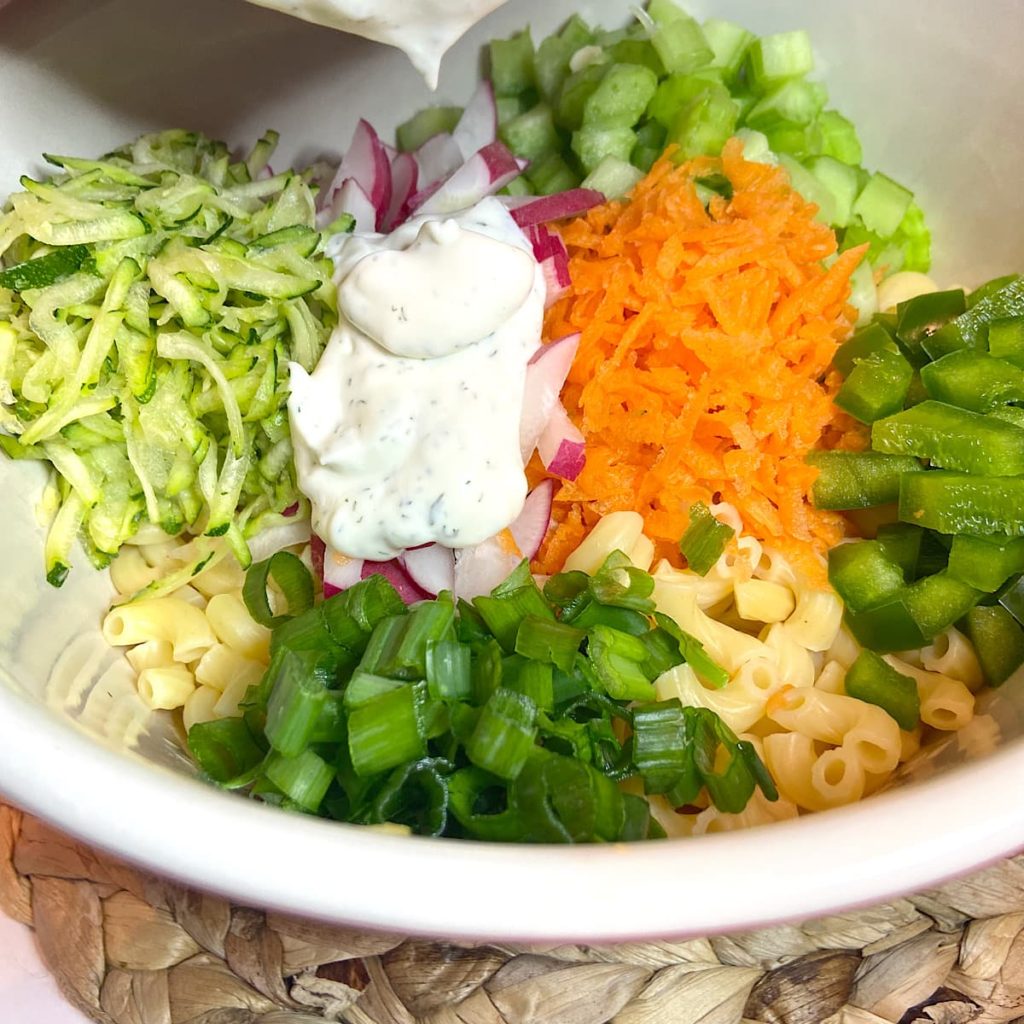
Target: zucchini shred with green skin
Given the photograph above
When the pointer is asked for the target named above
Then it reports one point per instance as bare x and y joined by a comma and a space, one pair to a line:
150, 303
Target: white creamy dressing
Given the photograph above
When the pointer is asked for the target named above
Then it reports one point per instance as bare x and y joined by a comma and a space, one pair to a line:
407, 431
424, 29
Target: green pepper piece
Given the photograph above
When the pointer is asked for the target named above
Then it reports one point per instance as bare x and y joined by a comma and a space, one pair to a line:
920, 317
901, 543
874, 680
886, 627
850, 480
936, 602
958, 503
863, 575
874, 337
985, 562
952, 438
973, 380
1006, 339
998, 641
876, 386
970, 329
989, 288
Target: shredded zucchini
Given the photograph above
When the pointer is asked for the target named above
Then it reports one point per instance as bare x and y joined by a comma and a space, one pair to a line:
150, 302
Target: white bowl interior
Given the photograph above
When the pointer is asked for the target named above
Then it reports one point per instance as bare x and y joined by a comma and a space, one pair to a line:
934, 91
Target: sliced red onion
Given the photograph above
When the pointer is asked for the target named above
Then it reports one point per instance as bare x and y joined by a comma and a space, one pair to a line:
478, 570
532, 524
367, 162
561, 445
438, 158
488, 170
408, 590
478, 126
527, 210
404, 177
431, 567
545, 376
351, 198
275, 538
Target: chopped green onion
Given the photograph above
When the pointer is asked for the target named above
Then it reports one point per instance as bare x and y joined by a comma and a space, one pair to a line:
693, 652
388, 731
618, 659
620, 584
449, 670
505, 612
292, 578
304, 779
704, 540
295, 702
416, 794
549, 641
224, 748
504, 735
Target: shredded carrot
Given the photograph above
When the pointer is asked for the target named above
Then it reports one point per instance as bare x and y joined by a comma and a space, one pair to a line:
703, 370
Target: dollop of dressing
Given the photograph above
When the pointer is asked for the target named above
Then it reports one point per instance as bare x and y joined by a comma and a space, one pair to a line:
407, 431
423, 29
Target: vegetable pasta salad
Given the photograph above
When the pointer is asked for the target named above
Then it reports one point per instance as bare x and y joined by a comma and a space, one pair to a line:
596, 463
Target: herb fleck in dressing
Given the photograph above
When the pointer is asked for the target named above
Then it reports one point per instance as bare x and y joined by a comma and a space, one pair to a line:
407, 431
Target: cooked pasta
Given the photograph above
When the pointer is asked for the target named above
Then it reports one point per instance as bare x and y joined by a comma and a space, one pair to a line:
166, 688
951, 654
946, 703
164, 618
235, 627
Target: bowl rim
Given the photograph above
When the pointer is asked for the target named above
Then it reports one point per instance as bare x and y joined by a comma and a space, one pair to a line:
176, 826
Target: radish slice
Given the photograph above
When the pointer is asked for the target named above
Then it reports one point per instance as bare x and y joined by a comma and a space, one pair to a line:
340, 572
531, 525
317, 550
488, 170
351, 198
393, 572
367, 162
404, 176
545, 376
478, 570
291, 509
527, 210
554, 287
478, 126
561, 446
431, 567
438, 158
275, 538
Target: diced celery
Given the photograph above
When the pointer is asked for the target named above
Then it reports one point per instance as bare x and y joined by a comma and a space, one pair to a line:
519, 186
755, 147
776, 58
592, 145
551, 66
621, 96
512, 64
575, 92
915, 239
531, 134
810, 187
681, 45
839, 137
841, 181
706, 124
613, 176
551, 174
425, 124
664, 11
636, 51
794, 102
508, 107
729, 43
882, 205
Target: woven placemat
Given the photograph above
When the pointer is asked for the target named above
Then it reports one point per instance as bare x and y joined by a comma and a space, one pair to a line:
129, 948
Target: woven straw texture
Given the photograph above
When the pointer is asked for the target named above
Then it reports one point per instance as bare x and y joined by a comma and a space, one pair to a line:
129, 948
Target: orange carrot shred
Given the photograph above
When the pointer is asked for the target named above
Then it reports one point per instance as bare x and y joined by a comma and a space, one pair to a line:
703, 370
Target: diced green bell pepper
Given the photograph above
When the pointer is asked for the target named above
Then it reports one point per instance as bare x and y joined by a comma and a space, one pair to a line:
874, 680
998, 641
952, 438
877, 386
974, 380
958, 503
985, 562
863, 574
849, 480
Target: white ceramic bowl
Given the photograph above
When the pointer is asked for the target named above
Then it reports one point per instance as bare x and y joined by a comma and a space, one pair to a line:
934, 86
